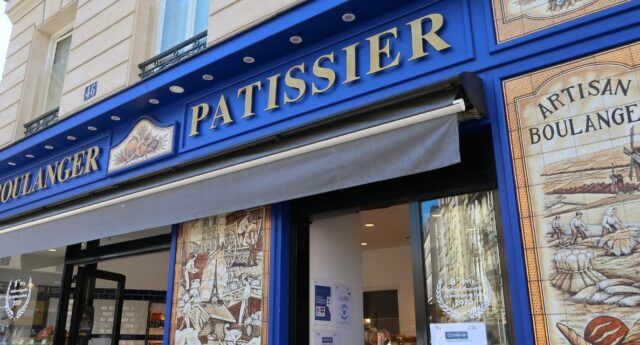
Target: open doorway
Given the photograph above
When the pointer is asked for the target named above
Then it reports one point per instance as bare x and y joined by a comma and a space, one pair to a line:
118, 289
361, 280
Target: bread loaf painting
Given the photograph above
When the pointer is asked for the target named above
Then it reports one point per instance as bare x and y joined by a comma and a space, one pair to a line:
603, 330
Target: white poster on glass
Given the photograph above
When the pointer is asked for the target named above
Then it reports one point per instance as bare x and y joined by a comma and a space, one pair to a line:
458, 333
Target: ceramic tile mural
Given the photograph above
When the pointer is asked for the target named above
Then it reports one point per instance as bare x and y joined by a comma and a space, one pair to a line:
516, 18
146, 141
575, 140
222, 274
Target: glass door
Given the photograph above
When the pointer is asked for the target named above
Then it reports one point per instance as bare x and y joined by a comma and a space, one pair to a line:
95, 320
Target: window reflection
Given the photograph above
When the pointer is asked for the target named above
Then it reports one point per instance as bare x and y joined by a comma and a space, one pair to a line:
29, 293
464, 280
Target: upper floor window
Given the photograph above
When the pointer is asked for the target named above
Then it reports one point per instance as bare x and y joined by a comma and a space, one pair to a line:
180, 20
54, 76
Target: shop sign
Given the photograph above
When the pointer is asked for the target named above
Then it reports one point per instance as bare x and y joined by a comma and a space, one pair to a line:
17, 298
574, 131
67, 168
310, 88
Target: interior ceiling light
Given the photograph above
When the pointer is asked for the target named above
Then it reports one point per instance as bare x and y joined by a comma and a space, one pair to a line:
71, 138
295, 39
92, 128
369, 225
207, 77
348, 17
48, 147
176, 89
28, 155
364, 243
249, 59
53, 250
154, 101
115, 118
12, 163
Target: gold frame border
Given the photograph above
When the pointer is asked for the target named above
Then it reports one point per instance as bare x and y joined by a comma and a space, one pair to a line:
524, 25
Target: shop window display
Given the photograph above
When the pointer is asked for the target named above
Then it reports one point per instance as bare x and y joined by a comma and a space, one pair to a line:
29, 291
463, 271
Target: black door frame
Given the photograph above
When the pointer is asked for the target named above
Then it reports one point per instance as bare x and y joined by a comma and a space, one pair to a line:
475, 172
85, 285
90, 255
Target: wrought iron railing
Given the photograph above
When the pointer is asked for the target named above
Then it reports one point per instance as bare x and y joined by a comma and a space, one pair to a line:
41, 122
173, 55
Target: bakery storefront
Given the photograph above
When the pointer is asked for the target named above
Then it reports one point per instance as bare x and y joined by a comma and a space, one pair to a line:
401, 172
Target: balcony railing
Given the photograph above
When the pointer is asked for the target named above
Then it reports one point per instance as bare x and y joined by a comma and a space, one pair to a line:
173, 55
41, 122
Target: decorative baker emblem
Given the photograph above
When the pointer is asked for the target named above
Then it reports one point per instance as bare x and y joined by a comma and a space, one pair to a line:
464, 298
146, 141
17, 297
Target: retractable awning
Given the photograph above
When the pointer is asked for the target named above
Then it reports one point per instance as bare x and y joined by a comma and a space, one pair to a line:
396, 140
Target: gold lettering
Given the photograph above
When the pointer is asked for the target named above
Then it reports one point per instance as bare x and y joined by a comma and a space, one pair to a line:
324, 73
76, 167
16, 191
417, 35
26, 184
51, 173
295, 83
92, 159
222, 112
375, 51
198, 113
62, 170
41, 182
352, 67
6, 191
248, 97
272, 102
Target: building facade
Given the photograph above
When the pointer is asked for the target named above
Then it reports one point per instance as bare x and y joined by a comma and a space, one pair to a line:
321, 172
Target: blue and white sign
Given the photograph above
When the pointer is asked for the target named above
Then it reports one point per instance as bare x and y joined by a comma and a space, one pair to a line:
458, 333
90, 91
343, 300
322, 302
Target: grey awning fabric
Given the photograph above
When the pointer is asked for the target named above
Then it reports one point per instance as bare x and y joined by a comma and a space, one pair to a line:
422, 147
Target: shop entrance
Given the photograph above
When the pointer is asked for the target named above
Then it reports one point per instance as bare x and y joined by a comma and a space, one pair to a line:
114, 290
87, 297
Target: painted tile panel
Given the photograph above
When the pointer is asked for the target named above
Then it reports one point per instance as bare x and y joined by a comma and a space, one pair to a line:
575, 142
222, 279
517, 18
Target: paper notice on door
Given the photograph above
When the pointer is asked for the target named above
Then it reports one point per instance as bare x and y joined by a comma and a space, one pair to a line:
458, 333
327, 338
322, 302
343, 301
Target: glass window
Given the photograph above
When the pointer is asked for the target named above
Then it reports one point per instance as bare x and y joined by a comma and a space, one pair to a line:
181, 20
464, 278
29, 293
55, 78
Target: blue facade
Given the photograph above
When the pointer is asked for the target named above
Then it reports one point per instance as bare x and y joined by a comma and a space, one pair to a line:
468, 29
